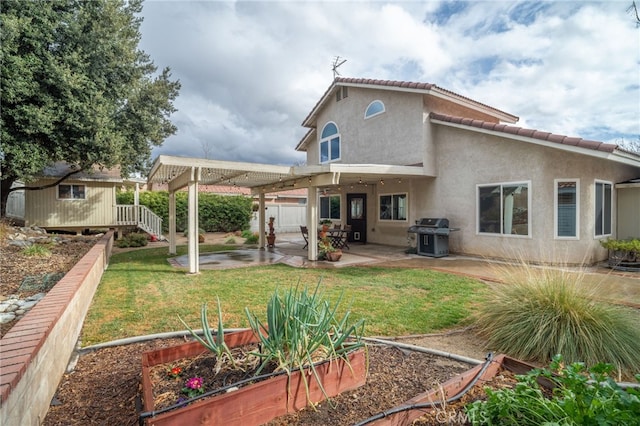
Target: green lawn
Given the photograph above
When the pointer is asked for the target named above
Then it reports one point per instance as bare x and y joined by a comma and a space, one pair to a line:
141, 294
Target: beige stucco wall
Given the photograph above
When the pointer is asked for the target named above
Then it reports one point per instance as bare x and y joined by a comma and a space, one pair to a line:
456, 161
466, 159
390, 138
628, 212
43, 208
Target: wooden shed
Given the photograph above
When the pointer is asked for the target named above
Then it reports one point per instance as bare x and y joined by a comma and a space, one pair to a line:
85, 200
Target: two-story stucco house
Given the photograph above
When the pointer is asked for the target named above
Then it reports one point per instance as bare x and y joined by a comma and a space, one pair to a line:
511, 192
384, 154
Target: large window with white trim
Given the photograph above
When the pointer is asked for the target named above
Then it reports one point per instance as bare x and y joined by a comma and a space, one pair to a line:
393, 207
567, 203
503, 208
330, 207
329, 143
603, 208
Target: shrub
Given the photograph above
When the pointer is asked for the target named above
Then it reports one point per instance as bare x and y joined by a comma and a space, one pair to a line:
250, 237
37, 250
132, 240
216, 213
580, 397
540, 312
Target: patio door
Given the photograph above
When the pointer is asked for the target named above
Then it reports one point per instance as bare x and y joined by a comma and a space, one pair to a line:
357, 217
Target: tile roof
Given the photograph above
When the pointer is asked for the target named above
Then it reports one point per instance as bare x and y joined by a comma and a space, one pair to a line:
338, 81
529, 133
61, 168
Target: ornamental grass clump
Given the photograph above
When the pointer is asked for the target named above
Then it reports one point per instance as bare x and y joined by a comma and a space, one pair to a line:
539, 312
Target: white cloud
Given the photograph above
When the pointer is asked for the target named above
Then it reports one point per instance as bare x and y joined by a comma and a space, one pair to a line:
252, 71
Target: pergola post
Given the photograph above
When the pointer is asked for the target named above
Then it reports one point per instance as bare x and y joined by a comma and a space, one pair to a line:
194, 249
312, 222
261, 220
172, 222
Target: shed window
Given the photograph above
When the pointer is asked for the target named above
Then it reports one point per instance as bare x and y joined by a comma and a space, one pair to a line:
71, 192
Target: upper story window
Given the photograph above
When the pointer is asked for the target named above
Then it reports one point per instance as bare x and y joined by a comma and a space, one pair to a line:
603, 209
504, 208
375, 108
71, 192
567, 200
329, 143
341, 93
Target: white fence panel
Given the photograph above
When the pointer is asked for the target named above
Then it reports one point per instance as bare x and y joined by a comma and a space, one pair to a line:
289, 217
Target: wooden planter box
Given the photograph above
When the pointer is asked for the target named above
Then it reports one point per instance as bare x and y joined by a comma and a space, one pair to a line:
257, 403
453, 387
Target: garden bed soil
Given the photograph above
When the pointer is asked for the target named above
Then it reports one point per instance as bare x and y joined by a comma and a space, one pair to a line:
16, 265
104, 388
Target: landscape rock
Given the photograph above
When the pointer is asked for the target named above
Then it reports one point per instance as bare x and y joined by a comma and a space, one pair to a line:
7, 317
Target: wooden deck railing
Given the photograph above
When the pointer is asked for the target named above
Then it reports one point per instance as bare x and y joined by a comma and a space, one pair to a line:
141, 217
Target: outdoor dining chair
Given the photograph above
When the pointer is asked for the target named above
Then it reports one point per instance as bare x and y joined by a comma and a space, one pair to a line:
305, 234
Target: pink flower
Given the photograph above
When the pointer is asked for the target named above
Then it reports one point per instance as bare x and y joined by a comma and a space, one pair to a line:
194, 383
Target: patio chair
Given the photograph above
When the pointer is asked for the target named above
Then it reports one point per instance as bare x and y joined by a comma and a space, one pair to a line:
346, 230
305, 234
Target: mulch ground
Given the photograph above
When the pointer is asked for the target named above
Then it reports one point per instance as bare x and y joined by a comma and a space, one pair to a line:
104, 388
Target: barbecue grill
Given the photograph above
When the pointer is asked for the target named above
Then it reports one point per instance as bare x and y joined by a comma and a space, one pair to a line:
432, 236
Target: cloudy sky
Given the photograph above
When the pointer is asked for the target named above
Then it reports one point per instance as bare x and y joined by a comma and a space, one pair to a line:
252, 71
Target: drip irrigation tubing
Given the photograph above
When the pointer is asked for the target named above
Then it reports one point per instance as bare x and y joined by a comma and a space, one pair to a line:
430, 404
415, 348
186, 333
147, 337
227, 388
146, 414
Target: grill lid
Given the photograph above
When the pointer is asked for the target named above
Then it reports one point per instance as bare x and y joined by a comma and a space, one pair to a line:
433, 222
430, 225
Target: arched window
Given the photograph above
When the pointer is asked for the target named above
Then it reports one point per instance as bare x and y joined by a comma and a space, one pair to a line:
374, 108
329, 143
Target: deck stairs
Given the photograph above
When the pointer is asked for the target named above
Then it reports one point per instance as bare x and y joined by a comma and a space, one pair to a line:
141, 217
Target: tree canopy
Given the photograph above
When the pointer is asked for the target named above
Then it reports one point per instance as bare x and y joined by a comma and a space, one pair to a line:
75, 87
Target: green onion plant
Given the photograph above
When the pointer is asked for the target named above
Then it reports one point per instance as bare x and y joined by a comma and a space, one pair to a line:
215, 344
302, 329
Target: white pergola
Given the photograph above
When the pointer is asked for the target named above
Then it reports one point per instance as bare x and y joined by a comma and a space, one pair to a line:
180, 172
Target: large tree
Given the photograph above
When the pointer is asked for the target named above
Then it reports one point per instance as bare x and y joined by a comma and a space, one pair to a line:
76, 88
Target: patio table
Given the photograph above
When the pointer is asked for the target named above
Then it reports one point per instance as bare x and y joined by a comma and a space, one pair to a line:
338, 237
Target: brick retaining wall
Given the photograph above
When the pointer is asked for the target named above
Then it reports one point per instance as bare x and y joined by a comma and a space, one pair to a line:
35, 352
